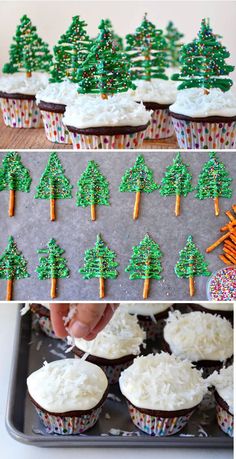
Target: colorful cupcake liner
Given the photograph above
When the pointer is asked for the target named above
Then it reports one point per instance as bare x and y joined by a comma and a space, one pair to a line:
21, 113
118, 141
112, 371
161, 125
195, 135
46, 326
153, 329
54, 127
225, 420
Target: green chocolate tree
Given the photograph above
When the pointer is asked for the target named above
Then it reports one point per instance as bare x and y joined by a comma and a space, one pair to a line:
202, 62
214, 181
93, 189
145, 263
53, 184
147, 50
191, 264
173, 39
177, 181
70, 52
106, 69
28, 52
53, 266
100, 262
138, 179
13, 266
14, 176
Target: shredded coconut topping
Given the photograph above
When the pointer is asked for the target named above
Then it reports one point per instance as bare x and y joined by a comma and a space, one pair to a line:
224, 384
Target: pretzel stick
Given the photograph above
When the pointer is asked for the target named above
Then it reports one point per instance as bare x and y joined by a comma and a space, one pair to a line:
53, 287
191, 286
101, 287
93, 212
234, 208
230, 243
229, 251
11, 207
229, 247
224, 259
52, 210
232, 259
177, 205
233, 238
228, 226
218, 242
216, 205
230, 215
9, 289
146, 288
136, 205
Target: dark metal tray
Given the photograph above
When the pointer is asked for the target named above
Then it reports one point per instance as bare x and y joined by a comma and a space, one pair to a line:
114, 427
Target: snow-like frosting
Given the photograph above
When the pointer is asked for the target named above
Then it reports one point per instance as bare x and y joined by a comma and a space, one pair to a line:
144, 309
118, 110
218, 306
121, 336
162, 382
156, 90
194, 103
19, 83
67, 385
58, 93
199, 336
224, 384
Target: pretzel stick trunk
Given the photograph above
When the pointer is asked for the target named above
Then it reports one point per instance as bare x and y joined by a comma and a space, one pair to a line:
146, 288
191, 286
9, 289
11, 207
104, 96
136, 205
218, 242
53, 287
52, 209
101, 287
28, 74
217, 208
93, 212
177, 205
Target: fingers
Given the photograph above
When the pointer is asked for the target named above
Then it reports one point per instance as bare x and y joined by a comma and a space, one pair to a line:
86, 318
57, 312
107, 315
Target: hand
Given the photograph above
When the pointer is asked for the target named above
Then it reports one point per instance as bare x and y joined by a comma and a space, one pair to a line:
89, 319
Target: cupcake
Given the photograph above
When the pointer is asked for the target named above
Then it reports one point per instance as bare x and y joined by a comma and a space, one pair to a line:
162, 392
222, 309
204, 339
42, 317
222, 285
68, 395
115, 347
223, 383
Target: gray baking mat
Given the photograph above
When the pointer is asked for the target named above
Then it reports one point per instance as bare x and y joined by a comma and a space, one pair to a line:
74, 231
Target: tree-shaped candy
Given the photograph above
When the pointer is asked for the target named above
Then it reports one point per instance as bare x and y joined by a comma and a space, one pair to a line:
191, 264
138, 179
13, 266
53, 184
173, 38
53, 266
14, 177
214, 181
93, 189
176, 181
100, 262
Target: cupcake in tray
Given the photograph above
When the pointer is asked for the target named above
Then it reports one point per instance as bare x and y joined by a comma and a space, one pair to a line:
42, 317
115, 347
204, 339
162, 392
222, 309
68, 395
223, 383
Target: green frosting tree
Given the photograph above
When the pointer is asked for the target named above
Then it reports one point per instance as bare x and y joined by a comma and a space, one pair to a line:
53, 266
53, 184
70, 52
173, 39
202, 62
106, 69
100, 262
117, 40
138, 179
13, 266
28, 51
147, 50
93, 189
191, 264
145, 263
177, 181
214, 181
14, 176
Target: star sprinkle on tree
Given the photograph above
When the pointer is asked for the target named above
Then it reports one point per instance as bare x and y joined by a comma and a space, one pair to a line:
53, 266
106, 69
93, 189
203, 63
173, 39
145, 263
14, 177
147, 50
214, 181
53, 184
138, 179
13, 266
70, 52
191, 264
100, 262
176, 181
28, 52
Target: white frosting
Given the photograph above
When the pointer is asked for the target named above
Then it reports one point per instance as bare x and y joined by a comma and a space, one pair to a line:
67, 385
194, 103
199, 336
121, 336
118, 110
58, 93
156, 90
218, 306
19, 83
224, 384
144, 309
162, 382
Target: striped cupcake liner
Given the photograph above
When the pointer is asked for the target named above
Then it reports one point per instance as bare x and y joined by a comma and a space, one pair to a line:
118, 141
21, 113
161, 125
225, 420
54, 128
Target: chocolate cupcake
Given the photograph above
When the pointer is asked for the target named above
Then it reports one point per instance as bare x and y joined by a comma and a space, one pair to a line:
42, 318
221, 309
223, 383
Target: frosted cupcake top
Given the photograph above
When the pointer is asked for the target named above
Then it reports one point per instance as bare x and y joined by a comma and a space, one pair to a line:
156, 90
121, 336
144, 309
194, 103
199, 336
19, 83
162, 382
218, 306
118, 110
67, 385
224, 384
58, 93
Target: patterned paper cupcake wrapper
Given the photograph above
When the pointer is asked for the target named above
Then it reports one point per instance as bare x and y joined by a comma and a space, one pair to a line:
21, 113
161, 126
46, 326
153, 329
118, 141
195, 135
54, 127
225, 420
113, 371
156, 425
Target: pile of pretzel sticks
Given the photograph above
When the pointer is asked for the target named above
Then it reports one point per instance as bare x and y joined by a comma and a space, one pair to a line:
229, 239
